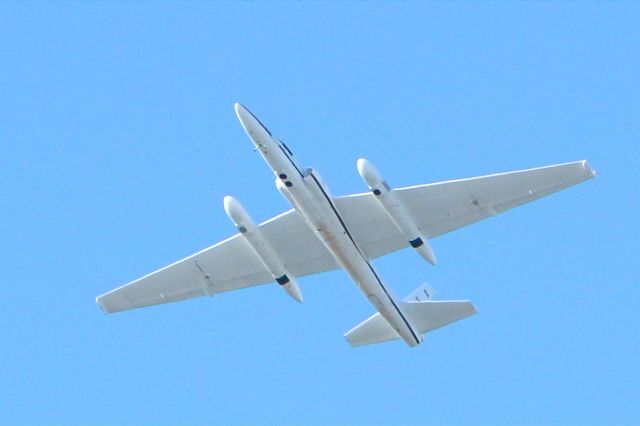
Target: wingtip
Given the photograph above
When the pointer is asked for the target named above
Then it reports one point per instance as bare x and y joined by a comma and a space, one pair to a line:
590, 170
101, 306
350, 340
473, 309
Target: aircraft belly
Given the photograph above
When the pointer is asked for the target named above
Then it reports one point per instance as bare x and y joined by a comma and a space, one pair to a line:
307, 194
325, 222
369, 283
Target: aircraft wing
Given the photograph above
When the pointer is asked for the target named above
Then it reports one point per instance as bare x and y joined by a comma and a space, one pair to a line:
229, 265
437, 208
442, 207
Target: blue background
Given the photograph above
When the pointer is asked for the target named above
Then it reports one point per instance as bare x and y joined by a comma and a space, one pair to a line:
118, 141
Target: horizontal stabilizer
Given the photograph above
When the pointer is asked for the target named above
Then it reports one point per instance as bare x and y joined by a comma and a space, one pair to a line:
425, 316
430, 315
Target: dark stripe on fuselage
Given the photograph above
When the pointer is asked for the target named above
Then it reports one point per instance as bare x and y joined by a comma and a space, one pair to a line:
290, 159
346, 230
258, 120
375, 274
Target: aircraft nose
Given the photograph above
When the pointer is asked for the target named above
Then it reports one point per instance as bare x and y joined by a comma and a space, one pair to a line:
246, 120
241, 111
254, 128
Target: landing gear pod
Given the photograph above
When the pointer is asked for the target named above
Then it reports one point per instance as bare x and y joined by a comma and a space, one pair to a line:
395, 210
251, 233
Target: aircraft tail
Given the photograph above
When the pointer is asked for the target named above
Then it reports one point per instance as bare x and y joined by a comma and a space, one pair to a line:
424, 313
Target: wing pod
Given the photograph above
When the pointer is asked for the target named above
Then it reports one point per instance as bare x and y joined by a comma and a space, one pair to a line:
269, 258
396, 211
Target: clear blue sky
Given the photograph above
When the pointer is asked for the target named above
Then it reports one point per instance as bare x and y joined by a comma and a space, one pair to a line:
118, 141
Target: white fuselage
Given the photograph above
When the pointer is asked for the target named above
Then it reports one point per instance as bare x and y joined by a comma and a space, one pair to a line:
310, 198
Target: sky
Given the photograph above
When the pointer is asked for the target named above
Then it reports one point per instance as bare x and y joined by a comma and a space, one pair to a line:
118, 142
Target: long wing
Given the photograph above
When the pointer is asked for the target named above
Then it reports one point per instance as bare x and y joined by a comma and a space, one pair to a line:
228, 265
437, 208
442, 207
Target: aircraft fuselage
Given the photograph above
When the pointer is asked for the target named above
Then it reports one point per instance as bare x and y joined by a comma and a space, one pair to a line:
310, 197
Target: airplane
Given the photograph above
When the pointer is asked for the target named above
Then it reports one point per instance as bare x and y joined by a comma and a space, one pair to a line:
322, 233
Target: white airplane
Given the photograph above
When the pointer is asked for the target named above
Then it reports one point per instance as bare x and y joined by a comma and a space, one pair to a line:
322, 232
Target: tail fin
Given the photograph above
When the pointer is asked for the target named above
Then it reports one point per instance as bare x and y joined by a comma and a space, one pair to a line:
425, 316
421, 294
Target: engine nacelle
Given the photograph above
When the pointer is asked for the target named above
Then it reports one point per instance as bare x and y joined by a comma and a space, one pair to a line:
395, 209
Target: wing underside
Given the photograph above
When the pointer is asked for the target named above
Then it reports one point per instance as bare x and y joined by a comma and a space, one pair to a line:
229, 265
437, 208
443, 207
